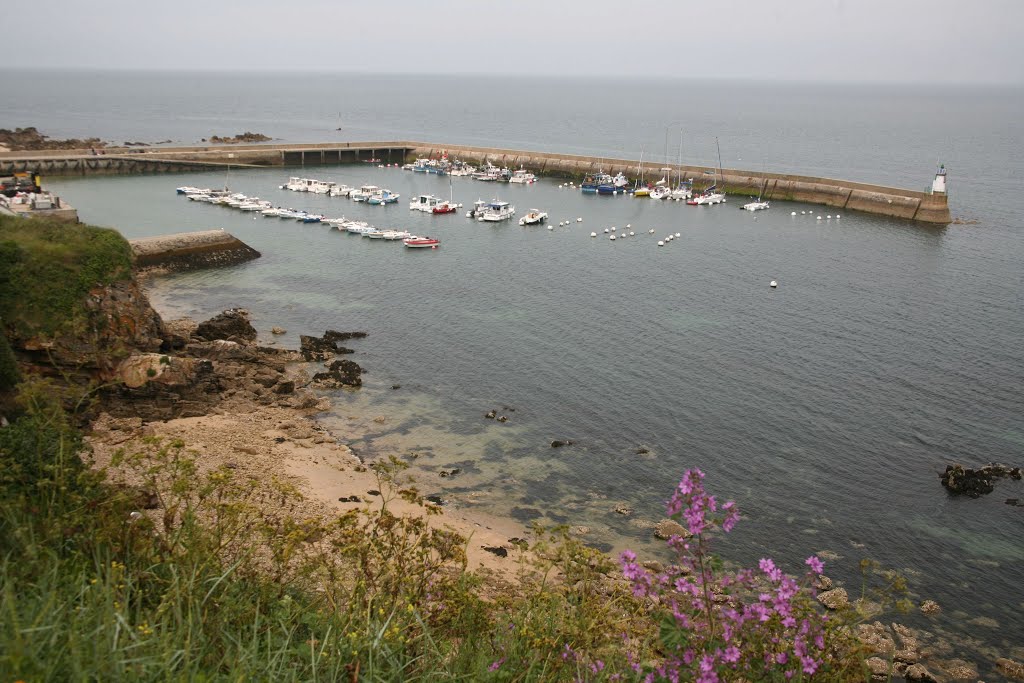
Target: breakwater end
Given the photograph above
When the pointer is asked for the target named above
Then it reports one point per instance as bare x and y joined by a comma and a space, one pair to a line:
918, 205
190, 251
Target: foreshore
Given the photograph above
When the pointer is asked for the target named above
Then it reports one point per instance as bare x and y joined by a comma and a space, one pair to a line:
282, 442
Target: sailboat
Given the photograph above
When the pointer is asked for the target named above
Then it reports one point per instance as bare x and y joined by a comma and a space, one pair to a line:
683, 191
711, 195
759, 205
639, 189
449, 206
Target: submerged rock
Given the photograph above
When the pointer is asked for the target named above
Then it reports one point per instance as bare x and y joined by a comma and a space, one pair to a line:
667, 528
341, 372
834, 599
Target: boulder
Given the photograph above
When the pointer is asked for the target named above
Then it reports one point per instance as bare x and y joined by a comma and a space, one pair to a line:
334, 336
930, 607
834, 599
559, 443
231, 325
316, 348
917, 672
960, 480
1010, 668
341, 372
667, 528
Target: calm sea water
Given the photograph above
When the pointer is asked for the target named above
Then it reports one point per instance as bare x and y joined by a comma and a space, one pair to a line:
827, 407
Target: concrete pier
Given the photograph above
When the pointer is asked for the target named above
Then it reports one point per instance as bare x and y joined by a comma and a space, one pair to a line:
190, 251
841, 194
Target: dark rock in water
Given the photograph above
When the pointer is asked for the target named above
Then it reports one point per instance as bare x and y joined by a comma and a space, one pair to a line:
341, 372
642, 451
451, 473
497, 550
519, 542
962, 480
396, 386
435, 499
286, 387
503, 418
335, 336
231, 325
1014, 501
316, 348
373, 492
558, 444
350, 499
491, 414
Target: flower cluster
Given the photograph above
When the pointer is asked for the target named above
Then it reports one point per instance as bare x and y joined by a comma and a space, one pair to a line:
752, 624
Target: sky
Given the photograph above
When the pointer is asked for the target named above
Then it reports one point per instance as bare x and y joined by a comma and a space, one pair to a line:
900, 41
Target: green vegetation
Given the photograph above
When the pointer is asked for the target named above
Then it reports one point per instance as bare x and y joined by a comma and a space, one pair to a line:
47, 269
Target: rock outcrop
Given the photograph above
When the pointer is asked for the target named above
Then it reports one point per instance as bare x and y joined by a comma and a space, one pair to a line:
966, 481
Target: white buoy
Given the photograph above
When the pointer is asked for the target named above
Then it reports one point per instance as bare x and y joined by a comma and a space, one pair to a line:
660, 243
606, 231
677, 234
623, 235
793, 214
631, 233
580, 219
614, 228
819, 218
773, 284
828, 216
651, 231
593, 234
628, 226
802, 213
612, 238
551, 227
837, 216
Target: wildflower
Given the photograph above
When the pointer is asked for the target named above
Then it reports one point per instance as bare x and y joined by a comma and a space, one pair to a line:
816, 565
731, 654
495, 665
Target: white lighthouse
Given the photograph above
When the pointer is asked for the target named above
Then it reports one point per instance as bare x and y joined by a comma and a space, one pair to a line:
939, 184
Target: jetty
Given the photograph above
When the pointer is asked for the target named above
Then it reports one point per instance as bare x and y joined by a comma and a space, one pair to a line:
927, 205
190, 251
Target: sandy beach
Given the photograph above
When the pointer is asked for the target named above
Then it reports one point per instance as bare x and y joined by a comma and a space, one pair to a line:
272, 442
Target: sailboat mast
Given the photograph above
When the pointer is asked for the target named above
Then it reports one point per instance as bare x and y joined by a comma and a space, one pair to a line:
720, 174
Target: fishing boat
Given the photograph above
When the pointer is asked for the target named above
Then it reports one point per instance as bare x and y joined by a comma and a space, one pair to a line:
497, 211
383, 197
446, 207
340, 191
415, 242
523, 176
477, 210
363, 193
425, 203
534, 217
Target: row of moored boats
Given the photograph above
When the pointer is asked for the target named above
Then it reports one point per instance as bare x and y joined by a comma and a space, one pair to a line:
241, 202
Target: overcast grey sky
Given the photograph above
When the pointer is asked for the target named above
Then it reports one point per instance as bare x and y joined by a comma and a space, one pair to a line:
822, 40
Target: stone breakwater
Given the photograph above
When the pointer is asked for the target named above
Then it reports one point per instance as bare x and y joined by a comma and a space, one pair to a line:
190, 251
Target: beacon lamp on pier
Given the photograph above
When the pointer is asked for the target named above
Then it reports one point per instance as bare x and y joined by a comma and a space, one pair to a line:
939, 184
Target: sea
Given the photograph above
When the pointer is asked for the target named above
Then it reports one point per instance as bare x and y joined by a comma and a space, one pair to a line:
827, 407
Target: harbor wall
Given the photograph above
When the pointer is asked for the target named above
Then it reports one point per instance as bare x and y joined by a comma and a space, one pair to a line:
190, 251
840, 194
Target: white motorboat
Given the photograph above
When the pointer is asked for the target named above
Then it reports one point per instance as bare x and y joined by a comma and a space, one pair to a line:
534, 217
340, 191
755, 206
523, 176
363, 193
497, 211
424, 202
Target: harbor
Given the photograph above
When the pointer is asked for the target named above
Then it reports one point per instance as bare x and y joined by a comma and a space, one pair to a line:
926, 205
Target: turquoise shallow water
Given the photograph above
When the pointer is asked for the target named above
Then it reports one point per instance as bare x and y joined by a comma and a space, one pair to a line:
827, 407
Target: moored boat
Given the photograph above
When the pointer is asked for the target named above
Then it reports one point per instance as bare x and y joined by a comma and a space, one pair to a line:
383, 197
363, 193
415, 242
534, 217
523, 176
424, 202
497, 211
446, 207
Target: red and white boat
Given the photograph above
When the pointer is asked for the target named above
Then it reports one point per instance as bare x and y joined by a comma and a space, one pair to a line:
415, 242
446, 207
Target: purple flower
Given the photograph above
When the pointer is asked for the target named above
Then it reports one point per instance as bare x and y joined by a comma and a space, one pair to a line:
731, 654
496, 664
816, 565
